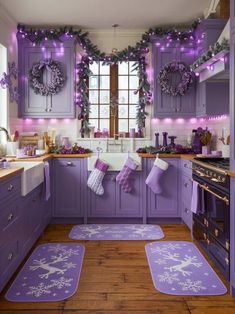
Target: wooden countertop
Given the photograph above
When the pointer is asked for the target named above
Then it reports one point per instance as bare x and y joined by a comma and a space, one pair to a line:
9, 173
182, 156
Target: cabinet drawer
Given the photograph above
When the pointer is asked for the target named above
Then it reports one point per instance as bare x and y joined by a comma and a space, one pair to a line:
10, 188
8, 255
8, 213
186, 166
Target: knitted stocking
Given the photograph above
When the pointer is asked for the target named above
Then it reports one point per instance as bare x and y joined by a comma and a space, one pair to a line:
154, 177
123, 176
96, 177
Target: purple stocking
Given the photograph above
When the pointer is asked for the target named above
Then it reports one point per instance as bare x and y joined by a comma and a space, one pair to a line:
154, 178
123, 176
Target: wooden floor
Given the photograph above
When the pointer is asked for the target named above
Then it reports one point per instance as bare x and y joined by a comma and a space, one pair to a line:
115, 279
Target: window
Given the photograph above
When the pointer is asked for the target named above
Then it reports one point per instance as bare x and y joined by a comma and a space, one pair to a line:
3, 93
112, 97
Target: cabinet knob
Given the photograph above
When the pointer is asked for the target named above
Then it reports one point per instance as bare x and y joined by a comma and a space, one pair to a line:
69, 163
186, 185
50, 109
10, 217
10, 187
185, 165
10, 256
46, 109
186, 210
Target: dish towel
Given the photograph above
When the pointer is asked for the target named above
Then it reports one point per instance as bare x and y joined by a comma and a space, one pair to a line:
47, 189
197, 202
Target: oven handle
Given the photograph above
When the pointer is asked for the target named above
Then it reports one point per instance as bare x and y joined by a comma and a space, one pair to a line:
206, 188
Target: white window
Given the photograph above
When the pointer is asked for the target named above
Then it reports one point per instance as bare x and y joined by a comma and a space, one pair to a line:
3, 94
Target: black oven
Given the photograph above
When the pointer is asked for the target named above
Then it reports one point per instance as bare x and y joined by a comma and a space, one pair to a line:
212, 227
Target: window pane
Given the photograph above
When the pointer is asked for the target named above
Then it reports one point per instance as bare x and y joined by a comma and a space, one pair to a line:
123, 111
94, 122
104, 96
134, 82
104, 124
123, 82
123, 97
94, 68
133, 98
94, 111
104, 111
123, 125
132, 124
93, 96
131, 67
93, 82
132, 111
123, 68
104, 82
104, 69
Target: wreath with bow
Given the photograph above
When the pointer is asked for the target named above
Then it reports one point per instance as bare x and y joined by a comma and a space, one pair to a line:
36, 77
186, 78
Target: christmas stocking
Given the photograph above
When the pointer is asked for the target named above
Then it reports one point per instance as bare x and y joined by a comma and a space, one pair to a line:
154, 177
96, 177
123, 176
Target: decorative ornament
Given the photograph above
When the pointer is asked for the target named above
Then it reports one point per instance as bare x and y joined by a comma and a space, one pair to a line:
36, 77
6, 82
165, 80
211, 52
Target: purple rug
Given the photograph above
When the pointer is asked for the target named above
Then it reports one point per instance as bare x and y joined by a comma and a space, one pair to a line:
179, 268
116, 232
51, 273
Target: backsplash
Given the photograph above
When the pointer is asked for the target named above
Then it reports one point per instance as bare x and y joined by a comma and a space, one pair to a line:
182, 128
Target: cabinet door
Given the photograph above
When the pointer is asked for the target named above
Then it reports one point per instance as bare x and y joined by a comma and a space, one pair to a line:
129, 204
186, 195
68, 179
104, 205
165, 204
232, 99
35, 106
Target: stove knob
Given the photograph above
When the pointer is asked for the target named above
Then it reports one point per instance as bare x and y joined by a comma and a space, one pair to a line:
210, 173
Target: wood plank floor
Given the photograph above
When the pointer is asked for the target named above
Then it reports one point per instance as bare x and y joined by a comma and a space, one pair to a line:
115, 279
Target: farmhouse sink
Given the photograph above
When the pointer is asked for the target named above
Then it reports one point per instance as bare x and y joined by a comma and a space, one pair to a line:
32, 176
115, 160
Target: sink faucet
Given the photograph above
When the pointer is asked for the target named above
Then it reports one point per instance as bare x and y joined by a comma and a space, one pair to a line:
6, 132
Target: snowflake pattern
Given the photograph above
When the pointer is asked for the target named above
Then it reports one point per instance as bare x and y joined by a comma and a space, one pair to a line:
179, 268
37, 291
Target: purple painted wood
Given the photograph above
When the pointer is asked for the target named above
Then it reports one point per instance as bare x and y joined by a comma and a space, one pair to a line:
212, 98
165, 204
69, 182
60, 105
185, 189
232, 99
165, 105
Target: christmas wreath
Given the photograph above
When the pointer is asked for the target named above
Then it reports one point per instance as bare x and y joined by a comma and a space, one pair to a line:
36, 77
186, 78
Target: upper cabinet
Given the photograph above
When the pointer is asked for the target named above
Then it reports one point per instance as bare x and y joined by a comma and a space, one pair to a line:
172, 106
60, 105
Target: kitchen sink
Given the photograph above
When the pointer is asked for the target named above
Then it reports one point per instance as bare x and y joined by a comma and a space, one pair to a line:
32, 176
115, 160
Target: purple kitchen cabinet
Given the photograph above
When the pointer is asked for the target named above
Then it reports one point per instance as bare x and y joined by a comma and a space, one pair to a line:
164, 205
232, 95
212, 98
115, 202
172, 106
185, 202
69, 186
232, 236
60, 105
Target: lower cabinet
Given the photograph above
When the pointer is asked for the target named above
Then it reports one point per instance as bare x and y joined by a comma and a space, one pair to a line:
164, 205
185, 190
69, 186
232, 236
115, 202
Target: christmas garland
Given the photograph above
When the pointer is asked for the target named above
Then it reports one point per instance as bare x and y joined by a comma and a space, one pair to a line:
92, 53
36, 74
210, 53
184, 84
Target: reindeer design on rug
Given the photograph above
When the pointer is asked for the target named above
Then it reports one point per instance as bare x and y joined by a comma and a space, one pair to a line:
187, 261
44, 264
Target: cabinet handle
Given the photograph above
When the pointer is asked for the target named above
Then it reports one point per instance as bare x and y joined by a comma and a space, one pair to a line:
10, 256
186, 185
186, 210
69, 163
10, 187
10, 217
216, 232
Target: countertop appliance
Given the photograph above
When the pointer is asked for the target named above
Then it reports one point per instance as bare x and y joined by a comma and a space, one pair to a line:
211, 228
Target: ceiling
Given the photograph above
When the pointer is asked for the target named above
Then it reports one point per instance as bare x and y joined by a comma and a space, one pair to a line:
102, 14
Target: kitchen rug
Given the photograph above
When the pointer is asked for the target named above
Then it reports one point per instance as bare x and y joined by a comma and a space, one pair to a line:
116, 232
51, 273
179, 268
